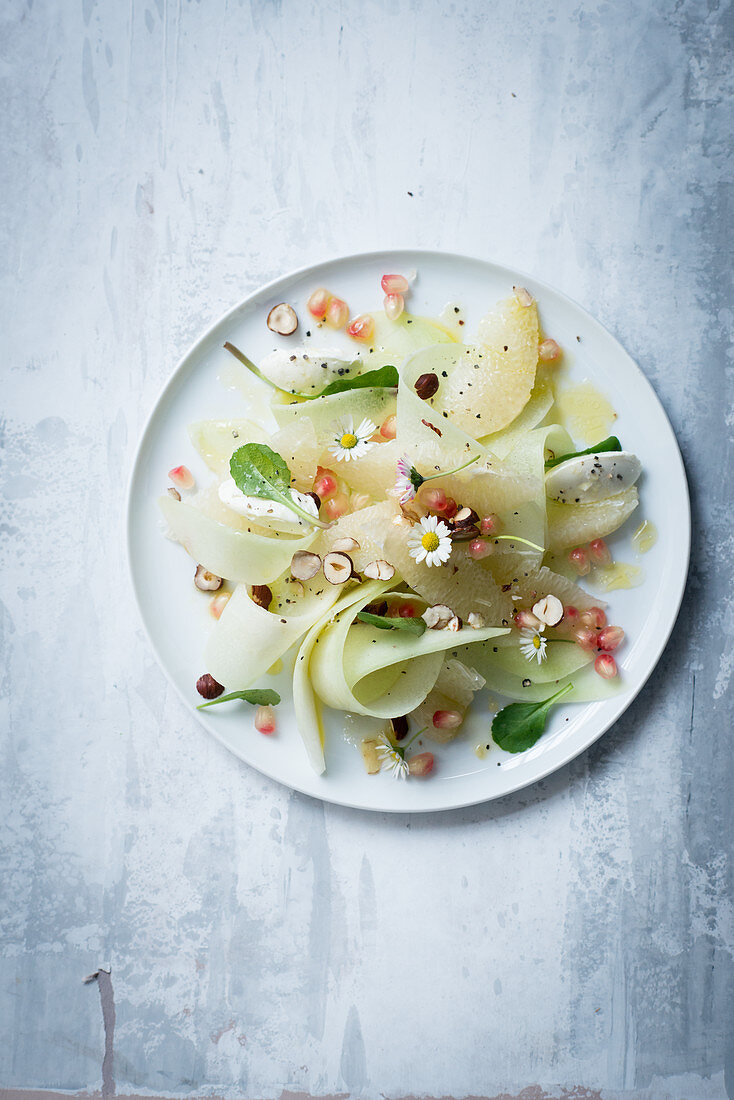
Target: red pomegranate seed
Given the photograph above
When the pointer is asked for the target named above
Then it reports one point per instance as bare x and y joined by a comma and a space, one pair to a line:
407, 611
218, 604
447, 719
337, 313
480, 548
361, 328
394, 305
549, 350
599, 552
585, 637
318, 303
580, 561
182, 477
606, 666
265, 720
421, 764
337, 506
450, 508
490, 524
434, 499
325, 484
394, 284
594, 617
389, 427
610, 638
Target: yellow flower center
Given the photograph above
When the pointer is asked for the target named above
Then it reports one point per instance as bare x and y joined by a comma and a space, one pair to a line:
348, 441
536, 641
430, 541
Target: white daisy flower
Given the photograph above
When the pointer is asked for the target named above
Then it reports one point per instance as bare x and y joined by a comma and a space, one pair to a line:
533, 645
433, 544
350, 442
408, 481
393, 759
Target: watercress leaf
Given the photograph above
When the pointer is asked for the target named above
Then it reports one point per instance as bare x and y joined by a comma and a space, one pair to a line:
259, 697
382, 622
384, 378
609, 444
258, 471
518, 726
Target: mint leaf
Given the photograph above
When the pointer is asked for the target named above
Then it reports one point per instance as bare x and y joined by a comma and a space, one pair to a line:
384, 378
610, 444
382, 622
518, 726
259, 697
259, 471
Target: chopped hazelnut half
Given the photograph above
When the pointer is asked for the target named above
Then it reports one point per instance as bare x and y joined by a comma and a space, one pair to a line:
206, 581
261, 595
437, 617
454, 624
305, 565
282, 319
174, 493
379, 570
346, 544
523, 296
475, 620
549, 610
208, 687
338, 567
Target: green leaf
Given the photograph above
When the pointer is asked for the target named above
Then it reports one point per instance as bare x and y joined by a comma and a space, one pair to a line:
259, 697
384, 378
259, 471
382, 622
251, 367
518, 726
610, 444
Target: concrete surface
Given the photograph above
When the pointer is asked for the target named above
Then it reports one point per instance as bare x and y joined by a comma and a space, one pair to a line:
160, 160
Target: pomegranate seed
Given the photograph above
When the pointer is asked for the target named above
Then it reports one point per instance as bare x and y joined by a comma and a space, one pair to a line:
389, 427
421, 764
585, 637
580, 561
324, 484
594, 617
549, 350
407, 611
610, 638
447, 719
218, 604
337, 313
606, 666
599, 552
182, 477
265, 720
394, 305
361, 328
394, 284
318, 303
480, 548
525, 620
490, 524
337, 506
450, 508
435, 499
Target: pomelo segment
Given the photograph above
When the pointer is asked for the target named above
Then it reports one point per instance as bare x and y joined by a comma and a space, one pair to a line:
430, 440
575, 524
489, 386
544, 582
539, 405
374, 472
369, 527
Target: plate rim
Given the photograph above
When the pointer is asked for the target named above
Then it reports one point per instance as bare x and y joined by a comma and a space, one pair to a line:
621, 704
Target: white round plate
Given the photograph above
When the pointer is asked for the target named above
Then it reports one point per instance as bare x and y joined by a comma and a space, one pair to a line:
175, 614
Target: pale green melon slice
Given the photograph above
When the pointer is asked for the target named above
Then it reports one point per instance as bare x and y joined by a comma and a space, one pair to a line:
215, 440
576, 524
374, 473
368, 527
394, 340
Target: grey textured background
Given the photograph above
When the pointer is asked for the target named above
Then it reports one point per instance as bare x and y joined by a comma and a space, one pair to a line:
160, 160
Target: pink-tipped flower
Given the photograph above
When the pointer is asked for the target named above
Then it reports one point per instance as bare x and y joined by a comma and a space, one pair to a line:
394, 284
490, 524
218, 604
599, 552
394, 305
421, 764
447, 719
337, 313
318, 303
182, 477
606, 666
480, 548
362, 328
389, 427
610, 638
548, 351
408, 481
580, 561
265, 720
594, 617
